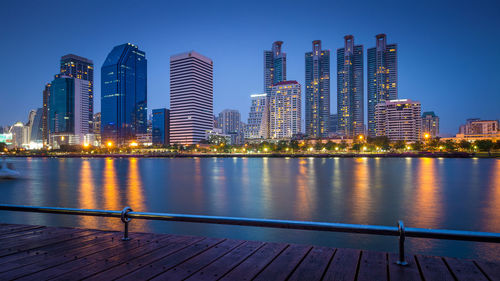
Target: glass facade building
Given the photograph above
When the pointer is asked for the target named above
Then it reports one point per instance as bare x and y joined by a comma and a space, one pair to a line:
257, 126
274, 66
350, 88
382, 77
317, 91
61, 113
123, 94
161, 123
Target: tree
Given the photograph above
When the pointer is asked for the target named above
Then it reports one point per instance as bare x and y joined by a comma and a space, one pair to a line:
343, 145
418, 145
484, 145
3, 146
398, 145
318, 146
449, 145
465, 145
330, 145
356, 146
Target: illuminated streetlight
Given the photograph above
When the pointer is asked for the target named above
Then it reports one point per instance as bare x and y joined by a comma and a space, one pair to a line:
265, 149
133, 144
336, 148
86, 145
408, 147
109, 144
361, 137
427, 136
364, 148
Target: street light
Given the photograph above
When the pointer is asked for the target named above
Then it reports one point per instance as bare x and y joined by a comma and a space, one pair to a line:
134, 144
86, 145
427, 136
109, 144
361, 137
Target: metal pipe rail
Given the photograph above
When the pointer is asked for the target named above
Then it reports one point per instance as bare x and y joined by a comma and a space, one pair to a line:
126, 215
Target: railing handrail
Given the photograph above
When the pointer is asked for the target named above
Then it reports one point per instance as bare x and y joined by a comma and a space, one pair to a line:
127, 214
464, 235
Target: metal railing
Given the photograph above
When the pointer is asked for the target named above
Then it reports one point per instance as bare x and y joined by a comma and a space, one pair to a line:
126, 215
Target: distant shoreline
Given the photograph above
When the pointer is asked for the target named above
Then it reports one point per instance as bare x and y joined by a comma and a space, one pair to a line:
272, 155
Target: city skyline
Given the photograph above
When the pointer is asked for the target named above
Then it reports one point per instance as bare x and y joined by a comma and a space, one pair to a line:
416, 57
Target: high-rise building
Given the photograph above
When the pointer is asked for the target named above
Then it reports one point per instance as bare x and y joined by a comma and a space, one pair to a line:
476, 126
45, 117
430, 124
285, 110
37, 127
317, 91
399, 120
19, 135
124, 94
160, 127
350, 88
68, 109
191, 97
382, 77
230, 123
274, 66
80, 68
258, 119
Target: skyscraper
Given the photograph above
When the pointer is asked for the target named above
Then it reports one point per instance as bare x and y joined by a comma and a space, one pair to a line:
350, 88
257, 126
317, 91
45, 118
230, 121
123, 94
399, 120
191, 97
68, 108
382, 77
274, 66
285, 110
80, 68
160, 127
430, 123
37, 127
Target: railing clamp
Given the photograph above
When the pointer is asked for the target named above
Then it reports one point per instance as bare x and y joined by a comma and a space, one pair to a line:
401, 229
125, 219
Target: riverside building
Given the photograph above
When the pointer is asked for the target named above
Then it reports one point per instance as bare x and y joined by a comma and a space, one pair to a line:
285, 110
317, 111
382, 77
350, 88
430, 124
399, 120
191, 98
123, 95
257, 127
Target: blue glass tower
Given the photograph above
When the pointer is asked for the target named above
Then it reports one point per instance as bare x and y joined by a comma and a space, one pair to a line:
123, 94
61, 105
161, 121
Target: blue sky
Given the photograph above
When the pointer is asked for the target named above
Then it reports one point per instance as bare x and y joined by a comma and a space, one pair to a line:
449, 51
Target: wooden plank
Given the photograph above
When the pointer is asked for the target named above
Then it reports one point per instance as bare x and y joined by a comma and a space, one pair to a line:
343, 265
314, 264
491, 269
284, 264
73, 265
250, 267
372, 266
16, 227
57, 260
70, 247
220, 267
20, 230
32, 245
433, 268
465, 270
147, 271
120, 259
408, 272
134, 264
34, 236
193, 265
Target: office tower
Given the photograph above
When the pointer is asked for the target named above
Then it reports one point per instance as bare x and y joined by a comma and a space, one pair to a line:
317, 91
18, 131
36, 127
68, 109
45, 118
430, 124
80, 68
285, 110
29, 124
382, 77
123, 94
230, 120
274, 66
191, 97
350, 88
334, 123
399, 120
160, 126
257, 126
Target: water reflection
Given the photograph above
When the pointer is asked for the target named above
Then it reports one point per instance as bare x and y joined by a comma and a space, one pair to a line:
305, 180
426, 197
492, 217
362, 202
111, 195
87, 196
135, 193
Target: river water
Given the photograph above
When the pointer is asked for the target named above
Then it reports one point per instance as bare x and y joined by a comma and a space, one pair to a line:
461, 194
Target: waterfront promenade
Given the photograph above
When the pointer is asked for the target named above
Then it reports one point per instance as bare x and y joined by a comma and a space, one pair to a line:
42, 253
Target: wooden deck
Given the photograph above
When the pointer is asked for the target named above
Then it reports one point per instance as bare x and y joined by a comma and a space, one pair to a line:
42, 253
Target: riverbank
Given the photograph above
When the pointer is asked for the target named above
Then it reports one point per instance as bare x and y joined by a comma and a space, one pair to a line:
273, 155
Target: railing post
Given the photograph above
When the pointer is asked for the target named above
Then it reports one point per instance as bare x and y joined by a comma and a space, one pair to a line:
401, 228
125, 220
